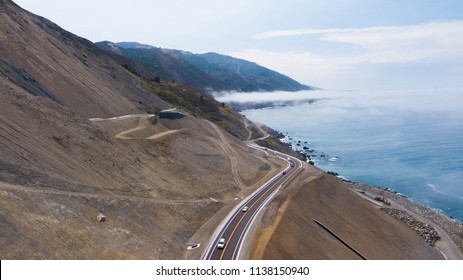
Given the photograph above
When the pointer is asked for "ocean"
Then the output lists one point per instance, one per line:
(410, 141)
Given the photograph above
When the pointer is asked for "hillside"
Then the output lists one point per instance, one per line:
(210, 71)
(242, 75)
(321, 202)
(90, 170)
(68, 156)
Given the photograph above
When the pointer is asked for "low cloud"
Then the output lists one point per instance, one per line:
(273, 96)
(443, 100)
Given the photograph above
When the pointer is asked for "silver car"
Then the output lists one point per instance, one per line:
(221, 243)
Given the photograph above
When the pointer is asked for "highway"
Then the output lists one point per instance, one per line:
(236, 225)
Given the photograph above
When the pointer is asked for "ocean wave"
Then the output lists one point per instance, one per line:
(434, 188)
(344, 178)
(402, 195)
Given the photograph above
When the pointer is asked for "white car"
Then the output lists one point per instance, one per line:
(245, 208)
(221, 243)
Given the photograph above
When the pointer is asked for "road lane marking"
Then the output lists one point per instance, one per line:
(282, 180)
(227, 222)
(239, 222)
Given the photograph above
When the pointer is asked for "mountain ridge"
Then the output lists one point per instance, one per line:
(210, 71)
(60, 168)
(82, 138)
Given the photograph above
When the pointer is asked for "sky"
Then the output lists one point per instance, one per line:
(331, 44)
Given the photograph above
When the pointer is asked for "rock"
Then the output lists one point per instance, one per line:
(427, 232)
(383, 200)
(101, 218)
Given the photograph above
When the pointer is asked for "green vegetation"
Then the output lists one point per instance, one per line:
(196, 103)
(241, 75)
(191, 74)
(210, 71)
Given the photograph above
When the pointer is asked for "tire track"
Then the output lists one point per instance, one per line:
(227, 148)
(108, 195)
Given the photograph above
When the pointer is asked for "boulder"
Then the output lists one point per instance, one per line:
(101, 218)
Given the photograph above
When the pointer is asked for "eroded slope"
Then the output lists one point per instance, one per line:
(325, 199)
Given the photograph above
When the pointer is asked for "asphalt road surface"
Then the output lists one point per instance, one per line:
(234, 229)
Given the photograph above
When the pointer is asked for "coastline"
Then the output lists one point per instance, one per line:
(357, 219)
(438, 230)
(450, 231)
(446, 227)
(419, 152)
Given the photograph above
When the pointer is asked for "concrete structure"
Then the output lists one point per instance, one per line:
(171, 114)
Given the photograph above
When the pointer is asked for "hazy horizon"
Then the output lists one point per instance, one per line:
(442, 99)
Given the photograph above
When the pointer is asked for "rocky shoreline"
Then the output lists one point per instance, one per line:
(426, 231)
(452, 227)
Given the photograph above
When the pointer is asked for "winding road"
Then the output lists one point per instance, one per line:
(235, 227)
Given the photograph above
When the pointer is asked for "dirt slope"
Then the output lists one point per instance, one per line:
(161, 185)
(59, 170)
(374, 234)
(70, 70)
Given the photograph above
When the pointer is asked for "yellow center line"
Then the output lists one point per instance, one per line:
(239, 222)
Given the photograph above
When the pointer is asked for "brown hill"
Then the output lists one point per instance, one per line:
(323, 202)
(51, 62)
(59, 170)
(79, 142)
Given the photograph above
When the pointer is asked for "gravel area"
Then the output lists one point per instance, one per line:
(452, 227)
(426, 231)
